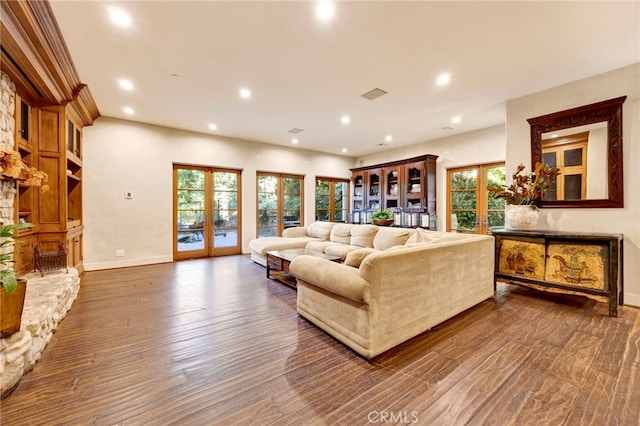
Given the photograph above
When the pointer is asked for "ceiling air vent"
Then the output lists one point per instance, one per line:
(295, 131)
(373, 94)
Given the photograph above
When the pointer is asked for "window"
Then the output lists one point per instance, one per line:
(332, 199)
(469, 206)
(280, 202)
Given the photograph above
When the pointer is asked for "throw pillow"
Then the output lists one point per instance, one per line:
(356, 257)
(420, 236)
(389, 237)
(362, 235)
(341, 233)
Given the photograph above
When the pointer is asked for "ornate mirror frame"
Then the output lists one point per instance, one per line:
(609, 111)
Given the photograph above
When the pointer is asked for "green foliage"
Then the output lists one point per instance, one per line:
(382, 214)
(7, 273)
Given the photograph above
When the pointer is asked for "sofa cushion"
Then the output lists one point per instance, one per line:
(320, 230)
(341, 233)
(320, 246)
(356, 257)
(341, 250)
(389, 237)
(363, 235)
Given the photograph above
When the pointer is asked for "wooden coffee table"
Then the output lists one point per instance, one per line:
(278, 263)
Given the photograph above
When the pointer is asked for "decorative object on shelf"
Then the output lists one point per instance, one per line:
(521, 211)
(12, 289)
(382, 217)
(12, 166)
(425, 220)
(397, 217)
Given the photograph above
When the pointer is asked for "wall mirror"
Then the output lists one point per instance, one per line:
(586, 144)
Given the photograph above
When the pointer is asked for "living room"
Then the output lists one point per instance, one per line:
(125, 156)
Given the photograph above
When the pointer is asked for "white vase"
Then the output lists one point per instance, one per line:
(523, 218)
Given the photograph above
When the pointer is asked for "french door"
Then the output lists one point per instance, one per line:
(280, 201)
(207, 212)
(469, 207)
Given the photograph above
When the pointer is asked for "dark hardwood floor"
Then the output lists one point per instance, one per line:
(213, 341)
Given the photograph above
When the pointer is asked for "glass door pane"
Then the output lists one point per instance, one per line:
(190, 211)
(494, 216)
(341, 204)
(225, 209)
(267, 206)
(464, 200)
(292, 199)
(323, 197)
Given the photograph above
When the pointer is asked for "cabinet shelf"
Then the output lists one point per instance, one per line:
(73, 158)
(73, 177)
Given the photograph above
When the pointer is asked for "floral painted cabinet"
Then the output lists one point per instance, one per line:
(582, 264)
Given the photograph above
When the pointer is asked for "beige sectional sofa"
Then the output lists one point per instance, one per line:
(378, 299)
(337, 239)
(394, 283)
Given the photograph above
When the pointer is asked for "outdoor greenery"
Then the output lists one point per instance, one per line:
(291, 202)
(324, 190)
(192, 197)
(464, 198)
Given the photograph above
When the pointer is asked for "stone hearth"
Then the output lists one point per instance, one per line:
(47, 301)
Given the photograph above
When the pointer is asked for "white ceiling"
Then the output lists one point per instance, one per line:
(307, 75)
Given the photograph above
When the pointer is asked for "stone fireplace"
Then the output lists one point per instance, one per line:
(48, 297)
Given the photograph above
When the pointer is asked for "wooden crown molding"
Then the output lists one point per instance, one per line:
(36, 58)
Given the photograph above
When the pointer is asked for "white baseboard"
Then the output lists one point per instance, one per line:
(632, 300)
(112, 264)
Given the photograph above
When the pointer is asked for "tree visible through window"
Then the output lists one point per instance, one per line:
(280, 200)
(332, 199)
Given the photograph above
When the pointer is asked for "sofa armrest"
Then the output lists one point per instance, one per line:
(333, 277)
(298, 231)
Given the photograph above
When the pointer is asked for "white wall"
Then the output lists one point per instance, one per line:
(122, 156)
(478, 147)
(621, 82)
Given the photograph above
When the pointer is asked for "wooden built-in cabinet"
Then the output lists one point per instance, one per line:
(562, 262)
(54, 147)
(52, 106)
(407, 186)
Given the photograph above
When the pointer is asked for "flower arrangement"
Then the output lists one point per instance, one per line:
(12, 166)
(527, 189)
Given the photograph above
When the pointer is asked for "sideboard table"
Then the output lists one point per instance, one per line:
(571, 263)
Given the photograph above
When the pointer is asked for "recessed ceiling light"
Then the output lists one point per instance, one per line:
(213, 126)
(345, 119)
(245, 93)
(125, 84)
(443, 79)
(128, 110)
(344, 149)
(325, 10)
(388, 138)
(294, 141)
(555, 135)
(456, 119)
(119, 17)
